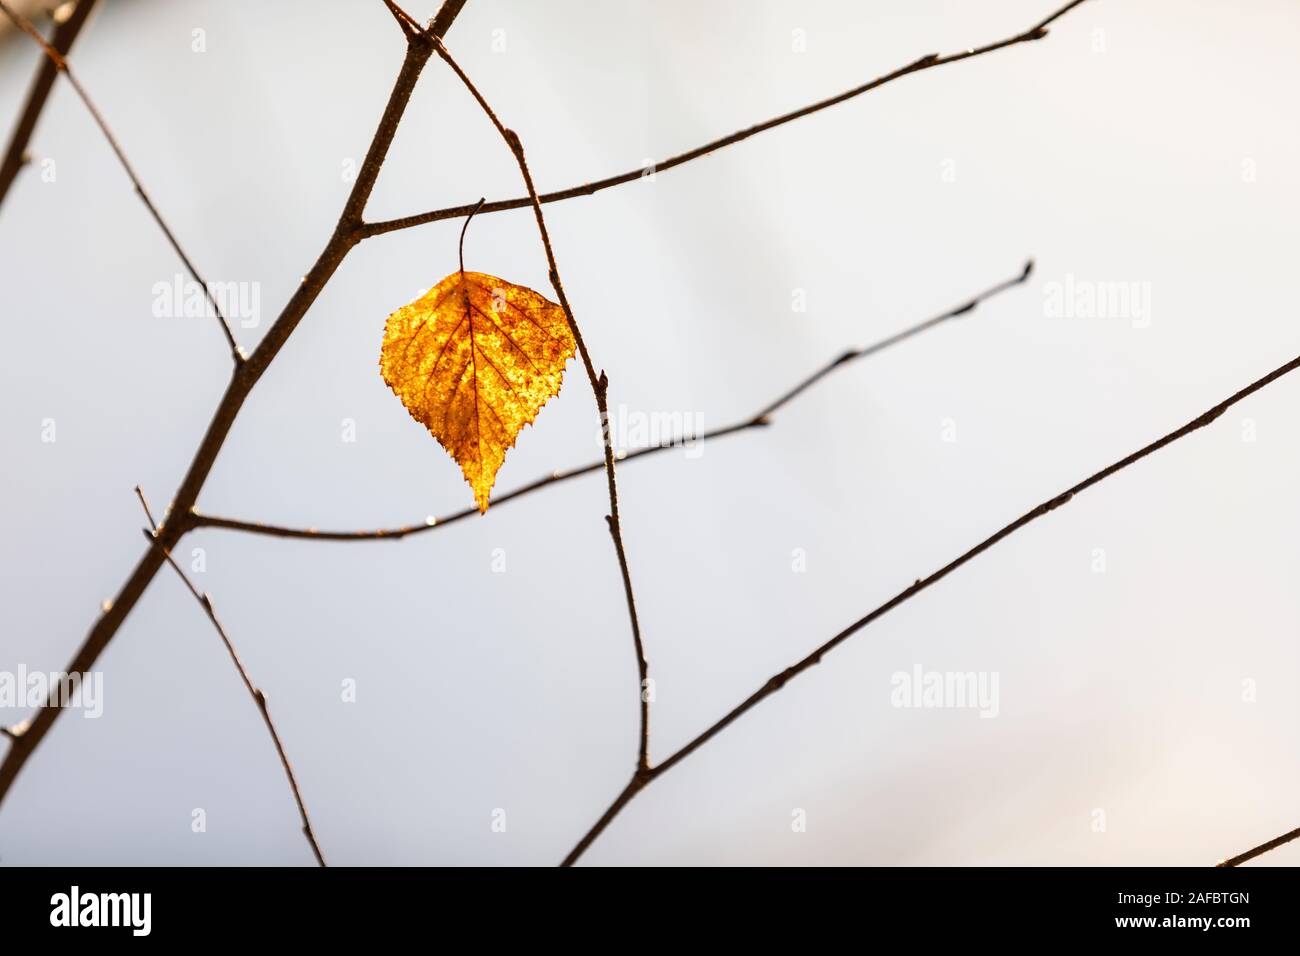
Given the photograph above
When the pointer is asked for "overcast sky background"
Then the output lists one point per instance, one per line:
(1149, 142)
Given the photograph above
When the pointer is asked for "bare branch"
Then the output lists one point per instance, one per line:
(446, 15)
(61, 64)
(930, 61)
(599, 389)
(850, 356)
(759, 419)
(65, 33)
(245, 377)
(778, 681)
(1260, 850)
(259, 698)
(351, 229)
(408, 24)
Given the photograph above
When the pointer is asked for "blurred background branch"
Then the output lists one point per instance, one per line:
(68, 19)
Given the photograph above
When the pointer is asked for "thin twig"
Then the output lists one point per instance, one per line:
(778, 681)
(259, 698)
(599, 388)
(404, 20)
(1260, 850)
(853, 355)
(350, 230)
(148, 512)
(1036, 32)
(65, 33)
(246, 375)
(204, 520)
(760, 419)
(61, 64)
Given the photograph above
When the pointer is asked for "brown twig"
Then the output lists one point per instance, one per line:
(778, 681)
(65, 33)
(599, 388)
(404, 20)
(1260, 850)
(760, 419)
(350, 229)
(246, 375)
(1036, 32)
(148, 512)
(259, 698)
(61, 64)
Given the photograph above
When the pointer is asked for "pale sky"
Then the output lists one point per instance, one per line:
(1144, 638)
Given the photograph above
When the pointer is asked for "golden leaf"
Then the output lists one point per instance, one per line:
(474, 360)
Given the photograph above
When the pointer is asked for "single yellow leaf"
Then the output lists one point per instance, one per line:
(474, 360)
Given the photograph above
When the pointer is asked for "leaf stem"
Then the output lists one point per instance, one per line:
(461, 246)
